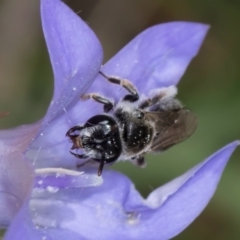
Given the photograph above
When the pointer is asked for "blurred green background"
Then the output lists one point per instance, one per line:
(210, 86)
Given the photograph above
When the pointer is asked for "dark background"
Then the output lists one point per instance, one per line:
(210, 86)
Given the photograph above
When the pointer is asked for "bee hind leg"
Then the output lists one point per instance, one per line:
(133, 96)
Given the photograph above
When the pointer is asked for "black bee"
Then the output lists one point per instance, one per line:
(134, 126)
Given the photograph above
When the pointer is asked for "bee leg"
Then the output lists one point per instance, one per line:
(133, 96)
(108, 105)
(73, 129)
(139, 161)
(81, 156)
(145, 104)
(70, 132)
(151, 101)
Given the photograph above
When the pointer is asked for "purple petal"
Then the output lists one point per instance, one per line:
(18, 139)
(190, 198)
(16, 178)
(157, 57)
(76, 56)
(75, 53)
(26, 228)
(115, 210)
(51, 148)
(50, 181)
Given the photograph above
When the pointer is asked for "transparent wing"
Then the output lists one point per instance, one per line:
(172, 127)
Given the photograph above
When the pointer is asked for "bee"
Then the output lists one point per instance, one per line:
(132, 127)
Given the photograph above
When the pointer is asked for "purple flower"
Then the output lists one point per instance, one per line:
(41, 199)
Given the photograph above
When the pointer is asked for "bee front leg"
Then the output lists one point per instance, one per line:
(71, 131)
(133, 96)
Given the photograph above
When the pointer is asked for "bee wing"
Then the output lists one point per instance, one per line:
(173, 127)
